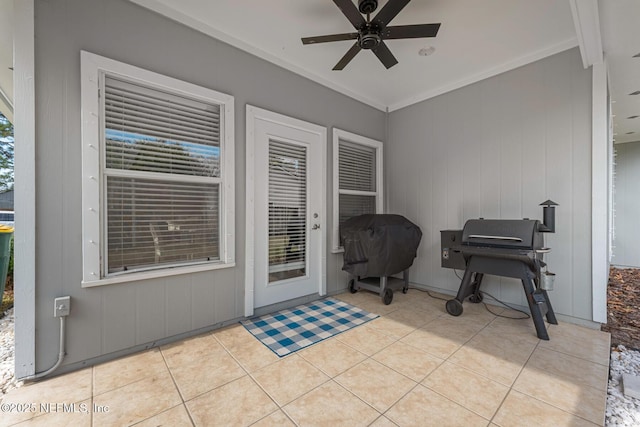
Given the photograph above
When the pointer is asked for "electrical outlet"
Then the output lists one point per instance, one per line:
(61, 306)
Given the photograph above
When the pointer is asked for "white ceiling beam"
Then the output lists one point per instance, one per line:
(587, 22)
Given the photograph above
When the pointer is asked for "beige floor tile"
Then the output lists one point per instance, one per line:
(365, 340)
(332, 357)
(289, 378)
(127, 370)
(497, 367)
(174, 417)
(64, 389)
(497, 352)
(383, 421)
(137, 401)
(394, 328)
(422, 301)
(376, 384)
(413, 317)
(566, 394)
(475, 392)
(238, 403)
(276, 419)
(443, 336)
(409, 361)
(425, 408)
(200, 364)
(245, 348)
(579, 341)
(578, 371)
(519, 410)
(78, 414)
(330, 405)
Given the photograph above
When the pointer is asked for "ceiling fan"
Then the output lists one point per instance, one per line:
(370, 33)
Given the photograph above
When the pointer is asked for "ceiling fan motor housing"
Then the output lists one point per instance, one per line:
(367, 6)
(369, 39)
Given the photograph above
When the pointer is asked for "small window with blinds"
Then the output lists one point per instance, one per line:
(357, 178)
(163, 172)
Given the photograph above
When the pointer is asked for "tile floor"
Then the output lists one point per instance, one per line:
(413, 366)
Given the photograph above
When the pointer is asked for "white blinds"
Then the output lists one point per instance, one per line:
(357, 180)
(162, 158)
(357, 167)
(149, 130)
(287, 210)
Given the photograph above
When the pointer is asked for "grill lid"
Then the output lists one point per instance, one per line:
(503, 233)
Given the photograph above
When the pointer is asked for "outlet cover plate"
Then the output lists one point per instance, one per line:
(62, 306)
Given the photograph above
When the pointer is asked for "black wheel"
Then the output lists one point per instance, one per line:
(387, 297)
(454, 307)
(352, 286)
(405, 290)
(476, 299)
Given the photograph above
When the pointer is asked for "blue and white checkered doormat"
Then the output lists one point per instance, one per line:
(291, 330)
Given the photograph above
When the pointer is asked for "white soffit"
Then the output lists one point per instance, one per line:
(477, 39)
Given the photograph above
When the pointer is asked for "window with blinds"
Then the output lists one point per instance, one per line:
(287, 210)
(162, 177)
(357, 178)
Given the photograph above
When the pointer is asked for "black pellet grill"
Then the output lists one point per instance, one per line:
(376, 247)
(508, 248)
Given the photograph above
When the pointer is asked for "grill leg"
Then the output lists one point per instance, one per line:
(454, 306)
(534, 307)
(551, 316)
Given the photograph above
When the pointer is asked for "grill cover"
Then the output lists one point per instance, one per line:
(503, 233)
(379, 245)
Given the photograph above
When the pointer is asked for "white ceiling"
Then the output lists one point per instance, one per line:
(477, 39)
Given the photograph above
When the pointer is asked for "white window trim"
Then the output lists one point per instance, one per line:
(92, 67)
(339, 134)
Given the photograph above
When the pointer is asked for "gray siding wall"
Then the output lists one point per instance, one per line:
(496, 149)
(115, 318)
(626, 249)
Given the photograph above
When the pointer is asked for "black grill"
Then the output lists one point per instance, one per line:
(508, 248)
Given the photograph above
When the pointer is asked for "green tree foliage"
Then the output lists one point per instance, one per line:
(6, 154)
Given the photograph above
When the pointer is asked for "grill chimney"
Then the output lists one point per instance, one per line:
(548, 217)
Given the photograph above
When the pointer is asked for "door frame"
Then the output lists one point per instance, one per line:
(252, 115)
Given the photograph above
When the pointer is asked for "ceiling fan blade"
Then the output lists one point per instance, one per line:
(389, 11)
(330, 38)
(351, 53)
(410, 31)
(351, 12)
(384, 55)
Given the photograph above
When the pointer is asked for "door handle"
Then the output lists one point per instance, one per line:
(315, 227)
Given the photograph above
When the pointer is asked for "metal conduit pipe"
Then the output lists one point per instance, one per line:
(61, 355)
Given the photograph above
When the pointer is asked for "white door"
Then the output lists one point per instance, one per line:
(287, 159)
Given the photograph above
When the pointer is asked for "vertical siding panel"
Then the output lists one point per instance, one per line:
(202, 301)
(470, 165)
(118, 318)
(490, 161)
(533, 174)
(224, 302)
(511, 165)
(178, 296)
(150, 311)
(559, 172)
(440, 178)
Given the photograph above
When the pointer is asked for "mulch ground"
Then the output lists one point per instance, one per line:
(623, 307)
